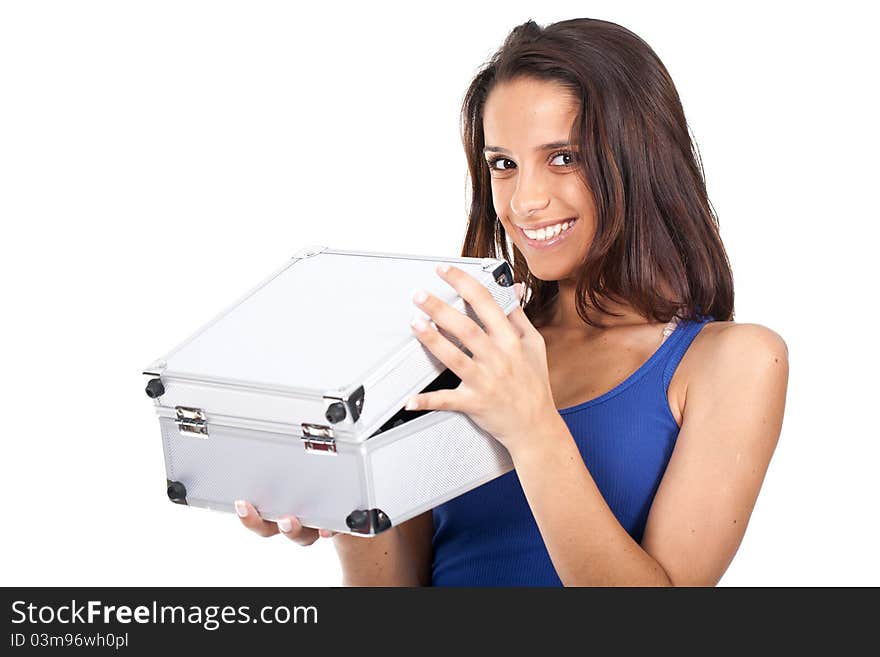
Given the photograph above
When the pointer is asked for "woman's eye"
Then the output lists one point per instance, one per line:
(564, 154)
(493, 164)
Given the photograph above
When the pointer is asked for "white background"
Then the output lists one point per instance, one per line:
(158, 159)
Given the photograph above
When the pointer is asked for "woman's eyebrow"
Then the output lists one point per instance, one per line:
(542, 147)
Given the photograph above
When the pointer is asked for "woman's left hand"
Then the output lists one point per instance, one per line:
(505, 385)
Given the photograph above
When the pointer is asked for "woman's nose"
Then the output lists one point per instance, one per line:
(529, 196)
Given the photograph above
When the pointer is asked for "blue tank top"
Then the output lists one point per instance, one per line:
(489, 537)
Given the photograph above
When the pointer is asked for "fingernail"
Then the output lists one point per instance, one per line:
(285, 525)
(420, 296)
(241, 508)
(519, 287)
(412, 404)
(442, 268)
(325, 533)
(419, 324)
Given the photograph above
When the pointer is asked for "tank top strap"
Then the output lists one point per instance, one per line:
(669, 328)
(685, 332)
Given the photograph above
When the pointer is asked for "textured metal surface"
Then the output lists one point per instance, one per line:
(430, 460)
(305, 328)
(272, 471)
(388, 394)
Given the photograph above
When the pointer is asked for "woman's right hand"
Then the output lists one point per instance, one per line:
(288, 526)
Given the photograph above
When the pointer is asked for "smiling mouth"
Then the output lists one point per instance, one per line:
(549, 235)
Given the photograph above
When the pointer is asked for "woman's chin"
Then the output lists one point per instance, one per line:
(549, 271)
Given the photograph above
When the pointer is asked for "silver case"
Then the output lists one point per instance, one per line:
(242, 392)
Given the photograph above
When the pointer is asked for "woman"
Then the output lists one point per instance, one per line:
(639, 417)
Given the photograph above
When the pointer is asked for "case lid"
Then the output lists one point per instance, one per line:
(320, 323)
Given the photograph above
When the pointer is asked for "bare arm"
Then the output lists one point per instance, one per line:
(399, 556)
(731, 423)
(732, 420)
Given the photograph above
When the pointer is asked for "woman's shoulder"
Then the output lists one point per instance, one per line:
(722, 349)
(722, 337)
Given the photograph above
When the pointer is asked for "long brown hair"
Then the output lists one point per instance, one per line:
(656, 245)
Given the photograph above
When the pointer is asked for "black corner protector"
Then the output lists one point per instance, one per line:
(356, 403)
(335, 412)
(503, 275)
(155, 388)
(176, 492)
(370, 522)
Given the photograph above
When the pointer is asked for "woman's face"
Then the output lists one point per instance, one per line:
(526, 124)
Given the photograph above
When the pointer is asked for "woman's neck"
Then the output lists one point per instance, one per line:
(565, 316)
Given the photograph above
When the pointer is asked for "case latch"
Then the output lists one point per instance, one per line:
(318, 439)
(191, 421)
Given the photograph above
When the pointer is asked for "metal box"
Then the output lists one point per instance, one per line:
(292, 398)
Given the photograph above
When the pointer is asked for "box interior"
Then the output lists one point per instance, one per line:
(446, 381)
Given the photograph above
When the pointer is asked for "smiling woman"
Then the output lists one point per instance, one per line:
(640, 419)
(637, 459)
(593, 104)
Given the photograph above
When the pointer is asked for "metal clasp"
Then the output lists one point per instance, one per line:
(318, 439)
(191, 421)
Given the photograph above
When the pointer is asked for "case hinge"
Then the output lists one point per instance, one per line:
(309, 251)
(191, 421)
(318, 439)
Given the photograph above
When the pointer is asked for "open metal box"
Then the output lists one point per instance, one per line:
(292, 398)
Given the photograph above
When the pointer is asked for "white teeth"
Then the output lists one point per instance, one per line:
(548, 231)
